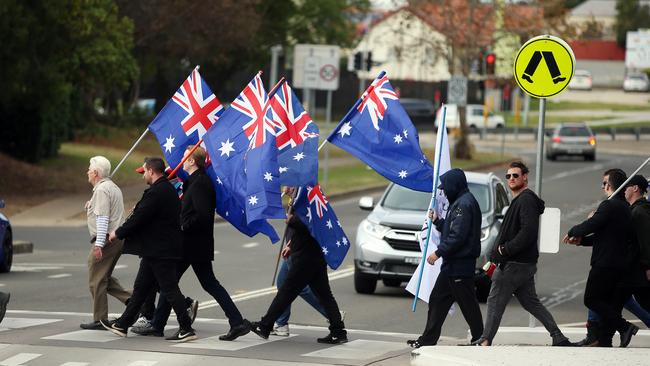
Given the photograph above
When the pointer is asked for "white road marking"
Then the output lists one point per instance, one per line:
(97, 336)
(75, 364)
(61, 275)
(250, 245)
(20, 323)
(19, 359)
(342, 273)
(564, 294)
(143, 363)
(359, 349)
(213, 343)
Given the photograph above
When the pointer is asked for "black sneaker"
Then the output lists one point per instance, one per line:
(113, 327)
(334, 339)
(237, 331)
(183, 336)
(4, 300)
(193, 309)
(257, 328)
(147, 331)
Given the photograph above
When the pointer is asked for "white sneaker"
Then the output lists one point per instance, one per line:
(142, 322)
(282, 331)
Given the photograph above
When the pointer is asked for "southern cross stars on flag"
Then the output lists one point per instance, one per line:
(315, 212)
(378, 131)
(296, 138)
(244, 154)
(186, 117)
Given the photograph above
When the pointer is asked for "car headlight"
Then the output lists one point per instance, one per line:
(485, 233)
(374, 229)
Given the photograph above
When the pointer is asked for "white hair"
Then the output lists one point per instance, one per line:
(101, 165)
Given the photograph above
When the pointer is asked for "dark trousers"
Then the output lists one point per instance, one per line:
(518, 279)
(210, 284)
(446, 291)
(162, 272)
(604, 295)
(301, 274)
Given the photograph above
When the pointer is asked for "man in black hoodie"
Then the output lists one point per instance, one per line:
(610, 232)
(516, 252)
(459, 247)
(639, 271)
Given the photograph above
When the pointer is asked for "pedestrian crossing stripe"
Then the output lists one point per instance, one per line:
(19, 323)
(213, 343)
(358, 349)
(97, 336)
(544, 66)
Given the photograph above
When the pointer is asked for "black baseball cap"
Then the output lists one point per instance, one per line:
(639, 181)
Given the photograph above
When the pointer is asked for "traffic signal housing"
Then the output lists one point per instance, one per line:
(490, 63)
(358, 60)
(368, 60)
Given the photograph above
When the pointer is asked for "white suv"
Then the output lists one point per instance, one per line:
(386, 246)
(475, 119)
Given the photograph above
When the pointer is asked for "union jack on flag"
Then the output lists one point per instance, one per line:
(296, 138)
(374, 99)
(252, 102)
(201, 112)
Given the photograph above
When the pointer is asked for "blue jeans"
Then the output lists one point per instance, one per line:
(306, 294)
(633, 307)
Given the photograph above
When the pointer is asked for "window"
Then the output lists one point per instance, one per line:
(501, 198)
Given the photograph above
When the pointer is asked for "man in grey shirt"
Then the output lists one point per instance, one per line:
(105, 212)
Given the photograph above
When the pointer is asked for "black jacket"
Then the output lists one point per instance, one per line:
(197, 218)
(611, 226)
(641, 222)
(304, 248)
(520, 230)
(460, 239)
(153, 229)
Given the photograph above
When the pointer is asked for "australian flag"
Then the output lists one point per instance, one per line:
(185, 119)
(244, 158)
(314, 210)
(378, 131)
(296, 138)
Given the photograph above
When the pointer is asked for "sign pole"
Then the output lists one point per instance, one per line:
(538, 169)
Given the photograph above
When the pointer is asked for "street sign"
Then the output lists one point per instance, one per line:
(316, 66)
(637, 50)
(457, 90)
(549, 78)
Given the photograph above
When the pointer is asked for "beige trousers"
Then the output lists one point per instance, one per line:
(101, 281)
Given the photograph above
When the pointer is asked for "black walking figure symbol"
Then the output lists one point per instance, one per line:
(550, 63)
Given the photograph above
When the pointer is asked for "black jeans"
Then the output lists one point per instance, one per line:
(210, 284)
(154, 271)
(444, 293)
(304, 273)
(604, 295)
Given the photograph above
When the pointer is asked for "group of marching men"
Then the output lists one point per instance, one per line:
(172, 235)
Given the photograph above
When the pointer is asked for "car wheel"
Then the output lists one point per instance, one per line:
(391, 282)
(591, 157)
(364, 284)
(551, 157)
(499, 125)
(483, 284)
(8, 248)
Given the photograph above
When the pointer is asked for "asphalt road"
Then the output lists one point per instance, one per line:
(54, 277)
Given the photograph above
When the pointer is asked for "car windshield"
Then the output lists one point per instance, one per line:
(400, 198)
(576, 131)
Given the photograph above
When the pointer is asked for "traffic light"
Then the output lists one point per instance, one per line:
(490, 61)
(369, 61)
(358, 60)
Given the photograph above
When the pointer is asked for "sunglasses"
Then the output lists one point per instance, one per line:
(513, 175)
(605, 183)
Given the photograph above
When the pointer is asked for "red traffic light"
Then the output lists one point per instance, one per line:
(490, 58)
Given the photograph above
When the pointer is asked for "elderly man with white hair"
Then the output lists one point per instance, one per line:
(105, 212)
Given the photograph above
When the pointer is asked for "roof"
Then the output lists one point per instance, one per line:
(597, 50)
(599, 8)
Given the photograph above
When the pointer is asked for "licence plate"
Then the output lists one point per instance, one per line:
(412, 260)
(574, 151)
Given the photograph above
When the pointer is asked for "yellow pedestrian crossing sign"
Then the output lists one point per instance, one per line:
(544, 66)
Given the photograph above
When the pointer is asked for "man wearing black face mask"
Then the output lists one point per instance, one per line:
(459, 247)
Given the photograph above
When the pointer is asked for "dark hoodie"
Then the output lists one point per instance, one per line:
(460, 239)
(641, 222)
(519, 232)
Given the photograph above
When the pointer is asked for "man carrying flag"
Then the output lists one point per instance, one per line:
(378, 131)
(317, 241)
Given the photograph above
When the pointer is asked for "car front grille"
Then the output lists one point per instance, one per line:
(403, 240)
(400, 268)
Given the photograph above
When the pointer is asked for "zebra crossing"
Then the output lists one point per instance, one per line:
(43, 340)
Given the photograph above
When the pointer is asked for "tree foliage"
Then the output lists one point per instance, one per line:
(57, 56)
(630, 16)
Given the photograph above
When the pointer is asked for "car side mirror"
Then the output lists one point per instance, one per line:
(366, 203)
(502, 214)
(2, 203)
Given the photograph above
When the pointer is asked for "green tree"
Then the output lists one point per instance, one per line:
(630, 16)
(57, 56)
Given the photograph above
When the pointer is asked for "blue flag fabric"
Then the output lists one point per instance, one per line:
(244, 159)
(186, 117)
(296, 138)
(314, 210)
(378, 131)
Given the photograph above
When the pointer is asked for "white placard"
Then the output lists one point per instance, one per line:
(457, 90)
(549, 230)
(637, 50)
(316, 66)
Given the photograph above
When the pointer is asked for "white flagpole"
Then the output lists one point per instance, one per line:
(432, 204)
(137, 142)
